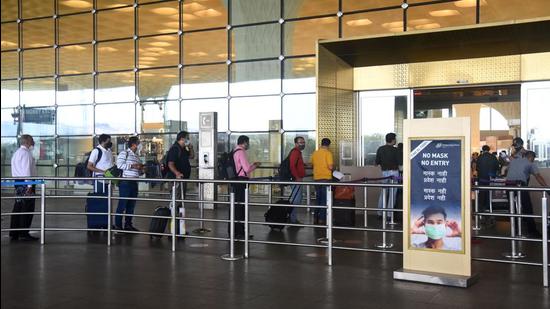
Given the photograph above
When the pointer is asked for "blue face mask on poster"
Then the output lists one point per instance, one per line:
(435, 231)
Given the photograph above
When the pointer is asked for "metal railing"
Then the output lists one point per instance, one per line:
(329, 245)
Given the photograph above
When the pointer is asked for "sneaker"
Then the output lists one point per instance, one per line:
(130, 228)
(28, 237)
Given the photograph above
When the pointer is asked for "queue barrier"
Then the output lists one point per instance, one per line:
(329, 246)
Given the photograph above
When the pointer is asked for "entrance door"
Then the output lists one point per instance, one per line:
(535, 108)
(380, 112)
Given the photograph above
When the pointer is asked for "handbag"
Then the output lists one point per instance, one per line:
(344, 193)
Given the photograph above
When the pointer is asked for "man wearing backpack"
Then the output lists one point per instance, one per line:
(100, 160)
(243, 170)
(298, 172)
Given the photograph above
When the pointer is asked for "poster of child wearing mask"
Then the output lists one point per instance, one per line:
(436, 187)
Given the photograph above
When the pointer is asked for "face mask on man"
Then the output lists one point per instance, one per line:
(302, 146)
(139, 148)
(108, 145)
(435, 231)
(246, 146)
(31, 147)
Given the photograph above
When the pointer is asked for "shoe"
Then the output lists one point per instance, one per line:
(28, 238)
(240, 236)
(130, 228)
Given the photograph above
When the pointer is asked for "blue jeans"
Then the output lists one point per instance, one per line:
(295, 199)
(127, 189)
(389, 193)
(321, 195)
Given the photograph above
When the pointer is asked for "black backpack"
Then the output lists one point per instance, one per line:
(81, 168)
(226, 165)
(284, 171)
(164, 169)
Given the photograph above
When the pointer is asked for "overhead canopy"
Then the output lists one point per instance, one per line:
(477, 41)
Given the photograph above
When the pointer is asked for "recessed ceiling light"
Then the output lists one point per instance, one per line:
(469, 3)
(172, 24)
(208, 13)
(169, 75)
(79, 4)
(155, 49)
(148, 58)
(38, 45)
(443, 13)
(186, 16)
(149, 54)
(166, 38)
(396, 29)
(75, 47)
(393, 24)
(198, 54)
(71, 72)
(428, 26)
(160, 44)
(298, 69)
(167, 30)
(421, 21)
(107, 49)
(165, 11)
(8, 44)
(325, 20)
(169, 52)
(222, 55)
(193, 6)
(359, 22)
(146, 74)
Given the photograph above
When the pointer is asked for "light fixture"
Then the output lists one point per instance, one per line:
(428, 26)
(148, 58)
(198, 54)
(420, 21)
(188, 17)
(78, 4)
(193, 6)
(155, 49)
(165, 11)
(208, 13)
(169, 75)
(74, 47)
(107, 49)
(7, 44)
(38, 45)
(166, 38)
(167, 30)
(222, 55)
(160, 44)
(444, 13)
(169, 52)
(469, 3)
(149, 54)
(359, 22)
(393, 24)
(71, 72)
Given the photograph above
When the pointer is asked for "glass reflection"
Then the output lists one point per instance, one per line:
(115, 118)
(299, 75)
(379, 22)
(37, 121)
(10, 117)
(75, 90)
(158, 117)
(10, 36)
(299, 112)
(288, 144)
(115, 87)
(115, 24)
(442, 15)
(38, 33)
(202, 14)
(354, 5)
(75, 29)
(38, 92)
(302, 8)
(36, 8)
(255, 42)
(76, 59)
(158, 84)
(75, 120)
(9, 147)
(117, 55)
(254, 113)
(38, 62)
(493, 11)
(159, 51)
(253, 78)
(10, 65)
(70, 149)
(159, 18)
(204, 47)
(208, 81)
(10, 93)
(253, 11)
(8, 10)
(301, 36)
(190, 110)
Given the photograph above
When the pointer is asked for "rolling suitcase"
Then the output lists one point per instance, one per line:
(344, 196)
(96, 205)
(158, 225)
(278, 214)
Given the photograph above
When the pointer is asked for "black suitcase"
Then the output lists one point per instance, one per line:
(278, 214)
(96, 205)
(158, 225)
(344, 217)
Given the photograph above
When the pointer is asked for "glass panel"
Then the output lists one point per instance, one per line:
(202, 14)
(117, 55)
(158, 84)
(159, 51)
(9, 147)
(9, 122)
(105, 4)
(190, 110)
(37, 8)
(537, 125)
(289, 144)
(44, 153)
(115, 118)
(254, 113)
(75, 90)
(10, 65)
(381, 113)
(253, 11)
(115, 87)
(8, 9)
(38, 121)
(373, 23)
(10, 36)
(75, 120)
(114, 24)
(76, 59)
(204, 81)
(71, 150)
(38, 33)
(259, 77)
(264, 148)
(159, 18)
(159, 117)
(75, 29)
(494, 10)
(301, 36)
(299, 75)
(354, 5)
(38, 92)
(39, 62)
(301, 8)
(254, 42)
(439, 16)
(66, 7)
(299, 112)
(10, 93)
(203, 47)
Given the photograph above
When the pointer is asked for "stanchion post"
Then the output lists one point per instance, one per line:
(270, 194)
(201, 229)
(514, 254)
(518, 210)
(329, 224)
(109, 209)
(365, 201)
(174, 211)
(392, 202)
(476, 209)
(384, 244)
(544, 239)
(42, 212)
(491, 201)
(308, 198)
(231, 256)
(246, 232)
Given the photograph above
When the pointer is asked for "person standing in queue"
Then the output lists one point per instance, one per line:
(323, 165)
(243, 169)
(131, 166)
(388, 158)
(177, 160)
(23, 165)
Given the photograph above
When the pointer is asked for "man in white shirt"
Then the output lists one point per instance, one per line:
(100, 160)
(23, 165)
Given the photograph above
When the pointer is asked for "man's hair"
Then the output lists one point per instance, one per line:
(134, 140)
(390, 137)
(243, 139)
(531, 154)
(325, 142)
(182, 134)
(103, 138)
(485, 148)
(297, 138)
(432, 210)
(24, 139)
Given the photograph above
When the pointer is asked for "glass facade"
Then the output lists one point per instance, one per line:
(75, 69)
